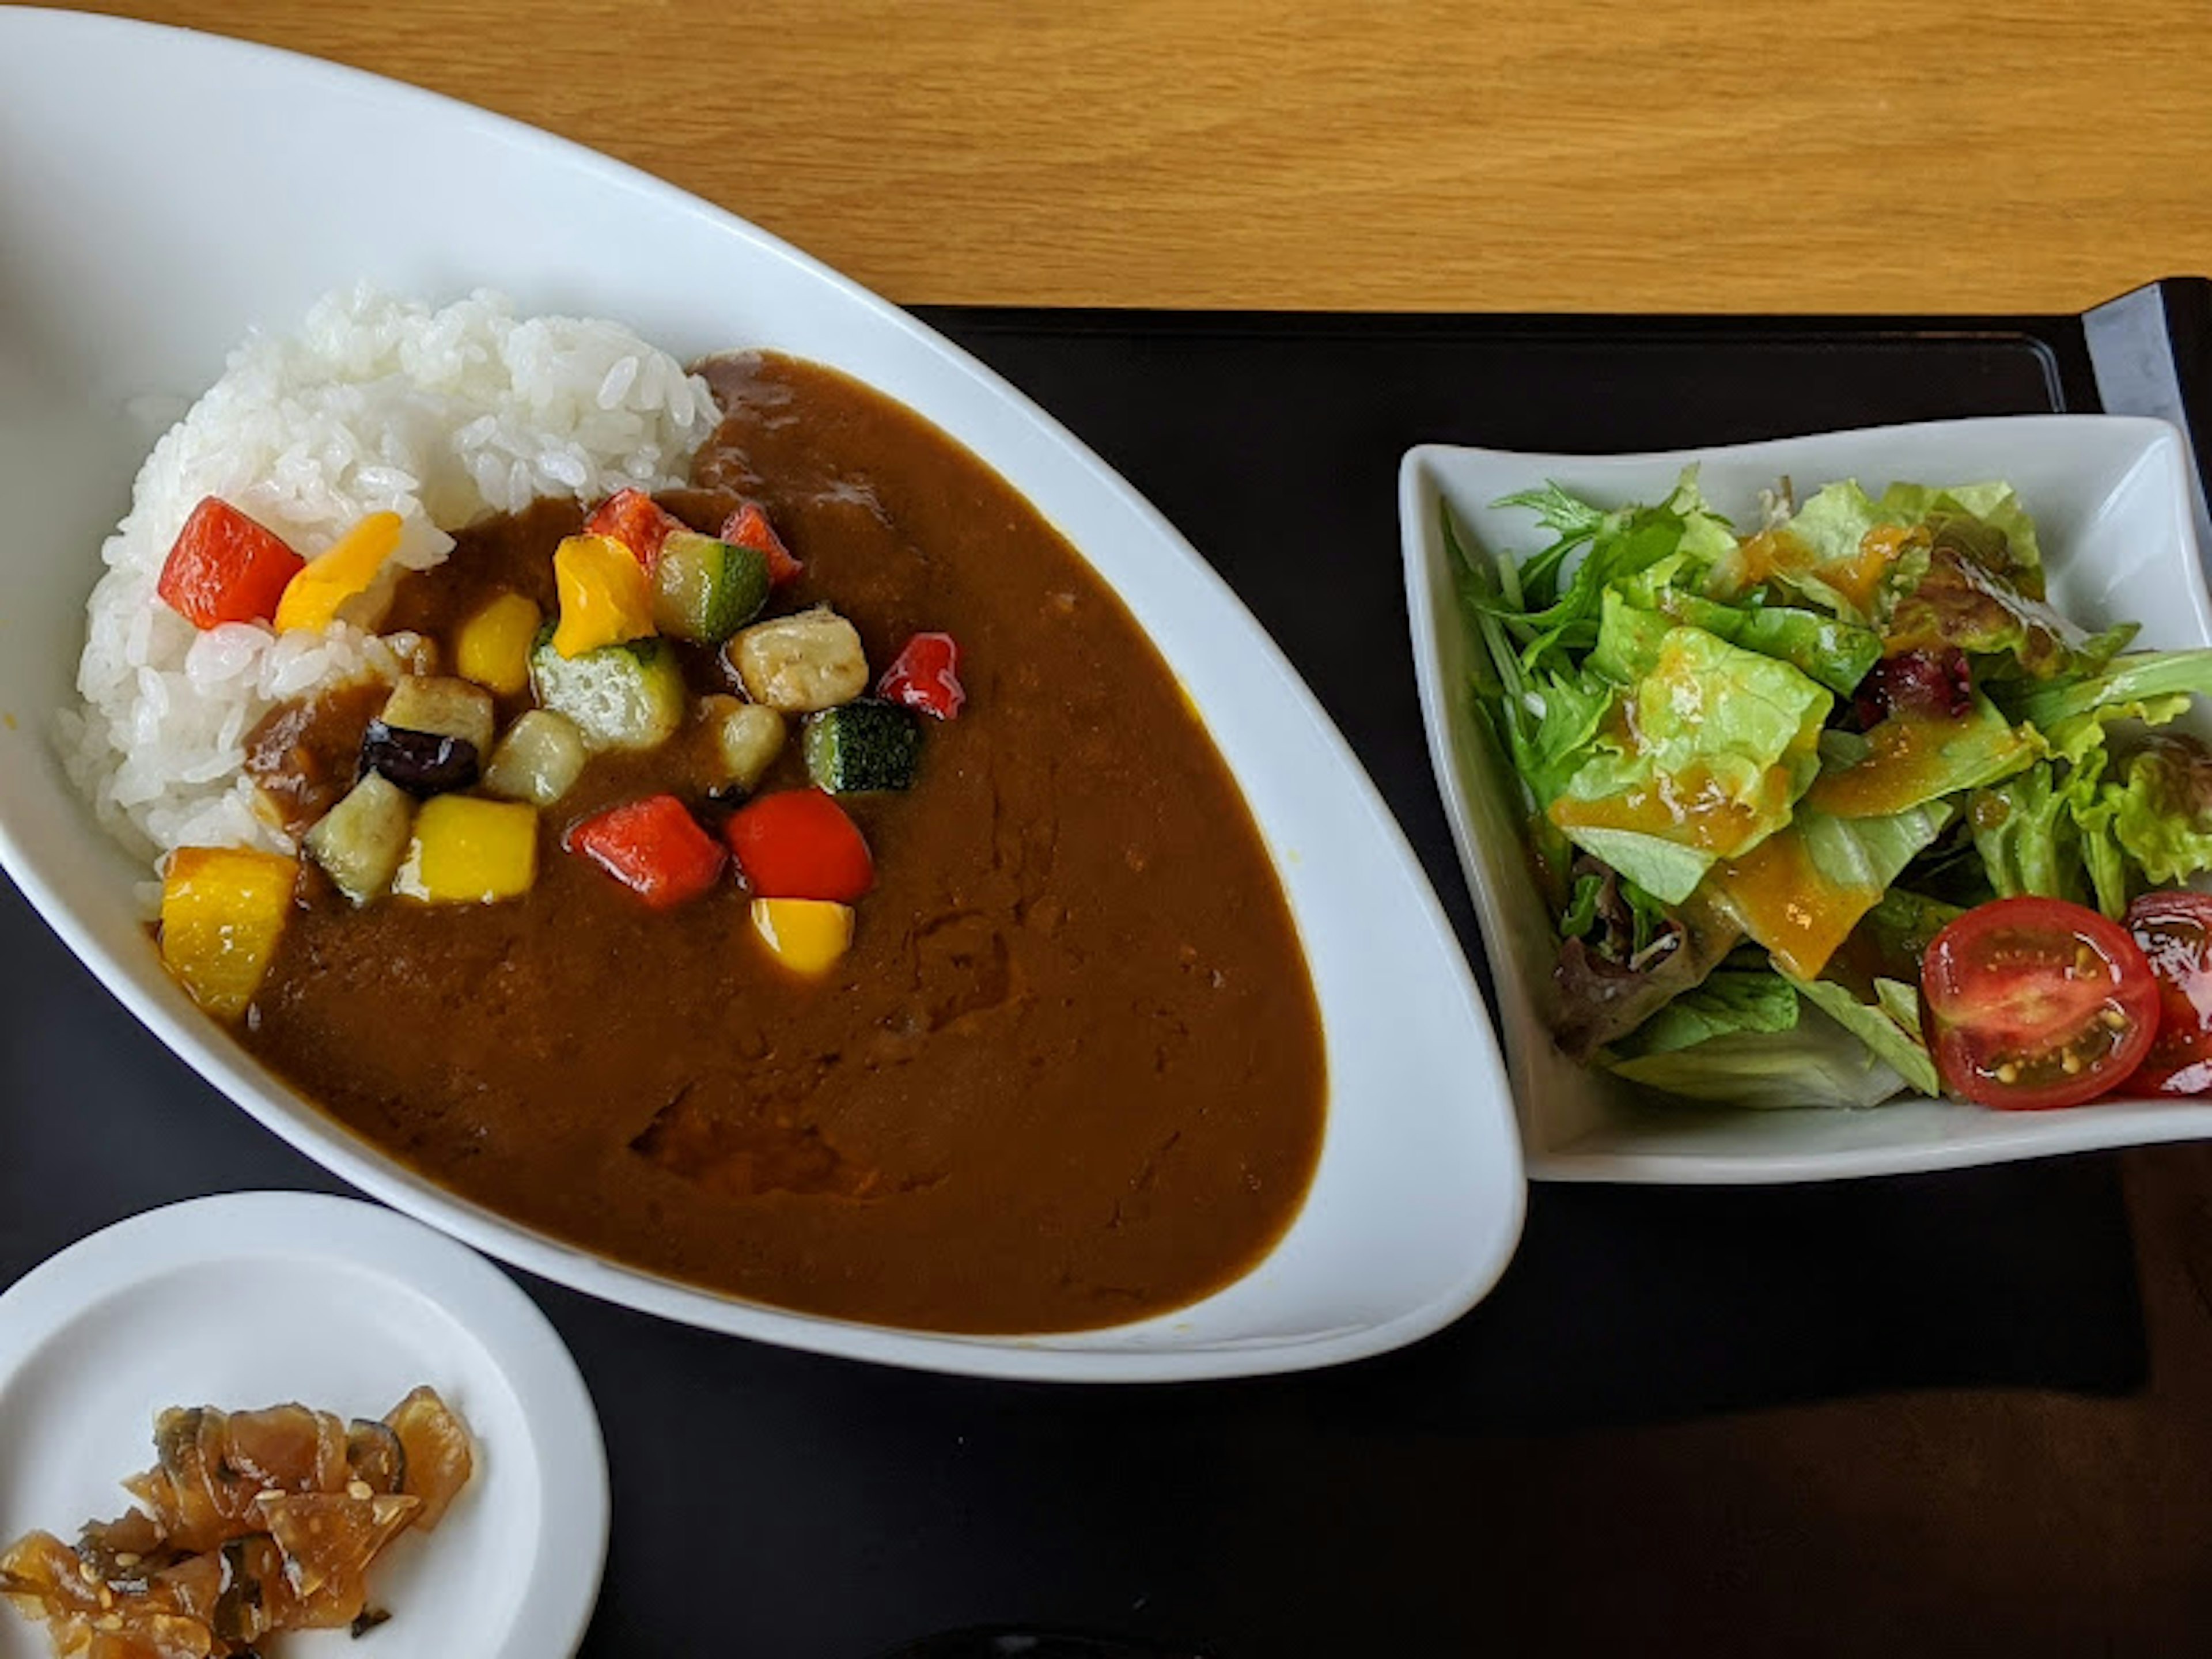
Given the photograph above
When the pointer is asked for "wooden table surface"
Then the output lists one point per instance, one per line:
(1585, 155)
(1589, 154)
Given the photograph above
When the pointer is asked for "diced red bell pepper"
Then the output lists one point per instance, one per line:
(799, 844)
(224, 568)
(925, 676)
(654, 847)
(637, 521)
(749, 527)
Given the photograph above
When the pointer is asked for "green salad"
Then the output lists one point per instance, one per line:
(1839, 807)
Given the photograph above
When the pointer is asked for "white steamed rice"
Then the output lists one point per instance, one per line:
(376, 404)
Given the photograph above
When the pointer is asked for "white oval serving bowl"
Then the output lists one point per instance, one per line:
(186, 188)
(2110, 496)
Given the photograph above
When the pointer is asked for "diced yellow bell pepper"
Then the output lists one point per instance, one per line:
(493, 648)
(469, 851)
(224, 908)
(806, 935)
(605, 595)
(344, 568)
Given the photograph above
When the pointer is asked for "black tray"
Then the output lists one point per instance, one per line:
(778, 1504)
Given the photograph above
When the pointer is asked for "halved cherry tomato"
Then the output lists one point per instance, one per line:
(2034, 1002)
(637, 521)
(925, 676)
(224, 568)
(800, 845)
(749, 527)
(2174, 931)
(654, 847)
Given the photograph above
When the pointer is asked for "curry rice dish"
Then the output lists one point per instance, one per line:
(975, 1006)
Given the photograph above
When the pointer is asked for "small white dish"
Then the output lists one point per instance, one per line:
(2110, 500)
(255, 1299)
(140, 250)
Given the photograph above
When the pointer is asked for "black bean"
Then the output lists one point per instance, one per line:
(424, 763)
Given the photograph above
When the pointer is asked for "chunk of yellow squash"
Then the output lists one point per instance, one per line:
(493, 648)
(223, 910)
(805, 935)
(605, 595)
(346, 567)
(469, 851)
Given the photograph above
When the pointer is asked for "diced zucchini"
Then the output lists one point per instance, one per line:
(620, 697)
(223, 910)
(469, 851)
(443, 706)
(860, 746)
(704, 589)
(538, 760)
(493, 646)
(800, 663)
(740, 741)
(360, 842)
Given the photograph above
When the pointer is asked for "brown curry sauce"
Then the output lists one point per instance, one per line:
(1071, 1072)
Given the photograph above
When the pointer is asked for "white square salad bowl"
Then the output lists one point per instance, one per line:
(177, 189)
(2109, 497)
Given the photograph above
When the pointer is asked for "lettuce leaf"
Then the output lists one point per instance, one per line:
(2161, 811)
(1801, 892)
(2154, 686)
(1815, 1062)
(2025, 830)
(1721, 742)
(1729, 1001)
(1835, 653)
(1635, 959)
(2007, 543)
(1889, 1026)
(1550, 624)
(1889, 942)
(1914, 757)
(1827, 555)
(1961, 603)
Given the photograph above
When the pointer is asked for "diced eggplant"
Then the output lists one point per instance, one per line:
(740, 741)
(443, 706)
(704, 590)
(620, 697)
(360, 842)
(861, 747)
(801, 662)
(424, 763)
(375, 1456)
(538, 760)
(432, 735)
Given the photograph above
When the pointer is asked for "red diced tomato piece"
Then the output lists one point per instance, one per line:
(225, 567)
(925, 676)
(637, 521)
(800, 845)
(749, 527)
(654, 847)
